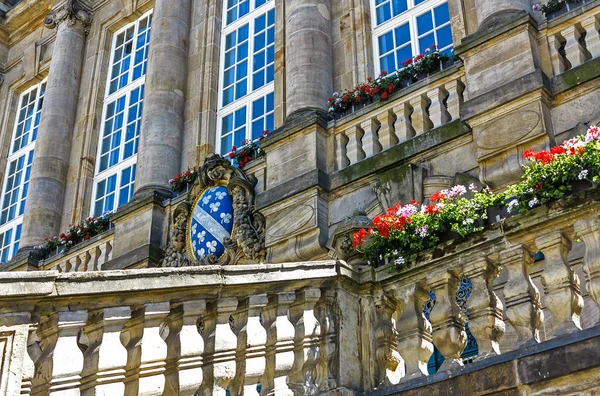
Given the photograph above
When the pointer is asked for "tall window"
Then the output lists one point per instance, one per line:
(246, 102)
(122, 117)
(406, 28)
(18, 170)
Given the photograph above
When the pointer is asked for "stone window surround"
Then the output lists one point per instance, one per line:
(107, 98)
(408, 16)
(25, 151)
(248, 99)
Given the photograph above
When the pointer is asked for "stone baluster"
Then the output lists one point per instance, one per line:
(254, 337)
(354, 149)
(403, 126)
(438, 113)
(370, 139)
(447, 320)
(589, 231)
(559, 64)
(455, 98)
(341, 159)
(523, 306)
(414, 331)
(60, 364)
(592, 38)
(104, 254)
(154, 350)
(387, 137)
(225, 345)
(309, 65)
(390, 367)
(420, 119)
(573, 49)
(561, 285)
(184, 349)
(105, 357)
(306, 342)
(280, 344)
(326, 370)
(159, 156)
(94, 254)
(485, 308)
(46, 192)
(84, 261)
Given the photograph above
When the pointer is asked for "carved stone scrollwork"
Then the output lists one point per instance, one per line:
(247, 239)
(71, 12)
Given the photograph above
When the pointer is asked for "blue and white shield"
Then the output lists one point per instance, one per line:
(212, 222)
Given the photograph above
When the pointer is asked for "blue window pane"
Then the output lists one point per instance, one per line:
(242, 33)
(444, 36)
(257, 129)
(227, 96)
(111, 184)
(241, 70)
(271, 36)
(240, 136)
(418, 2)
(258, 108)
(270, 102)
(244, 8)
(258, 79)
(402, 34)
(226, 143)
(231, 15)
(125, 177)
(240, 117)
(228, 77)
(383, 13)
(259, 41)
(229, 58)
(386, 43)
(426, 42)
(259, 60)
(270, 73)
(271, 17)
(260, 23)
(424, 23)
(399, 6)
(227, 124)
(403, 55)
(442, 15)
(270, 122)
(258, 3)
(387, 63)
(242, 52)
(241, 89)
(270, 54)
(230, 40)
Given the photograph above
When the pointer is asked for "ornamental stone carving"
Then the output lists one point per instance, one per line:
(71, 12)
(217, 223)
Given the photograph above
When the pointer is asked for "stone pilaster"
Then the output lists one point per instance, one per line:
(53, 146)
(309, 65)
(161, 137)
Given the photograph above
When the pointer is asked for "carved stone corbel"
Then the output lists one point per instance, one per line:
(71, 12)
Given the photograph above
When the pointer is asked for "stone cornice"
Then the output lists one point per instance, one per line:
(70, 12)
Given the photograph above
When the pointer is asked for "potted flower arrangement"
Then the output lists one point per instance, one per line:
(183, 180)
(249, 151)
(404, 231)
(554, 8)
(385, 84)
(74, 235)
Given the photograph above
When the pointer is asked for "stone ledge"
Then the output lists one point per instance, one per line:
(541, 362)
(148, 252)
(585, 72)
(290, 188)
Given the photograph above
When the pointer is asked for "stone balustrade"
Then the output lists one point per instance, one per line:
(575, 41)
(422, 107)
(87, 256)
(304, 328)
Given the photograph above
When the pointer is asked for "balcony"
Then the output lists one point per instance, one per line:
(310, 328)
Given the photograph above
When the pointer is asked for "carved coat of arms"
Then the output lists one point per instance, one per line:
(217, 223)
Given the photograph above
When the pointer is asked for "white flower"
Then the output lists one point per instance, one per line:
(468, 221)
(472, 187)
(206, 199)
(533, 202)
(457, 191)
(583, 174)
(399, 261)
(214, 207)
(225, 218)
(395, 252)
(331, 109)
(201, 253)
(512, 205)
(201, 236)
(211, 246)
(221, 195)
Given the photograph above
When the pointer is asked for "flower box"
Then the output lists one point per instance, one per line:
(556, 8)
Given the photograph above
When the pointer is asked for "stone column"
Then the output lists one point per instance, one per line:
(161, 136)
(489, 11)
(53, 146)
(309, 65)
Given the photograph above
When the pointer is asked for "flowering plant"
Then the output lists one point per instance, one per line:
(404, 231)
(76, 233)
(386, 84)
(552, 6)
(550, 174)
(249, 151)
(183, 179)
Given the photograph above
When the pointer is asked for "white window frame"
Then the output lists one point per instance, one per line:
(409, 16)
(12, 225)
(126, 91)
(250, 96)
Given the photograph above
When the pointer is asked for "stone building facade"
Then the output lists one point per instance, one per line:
(104, 101)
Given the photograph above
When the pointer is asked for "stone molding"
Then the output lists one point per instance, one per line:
(71, 12)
